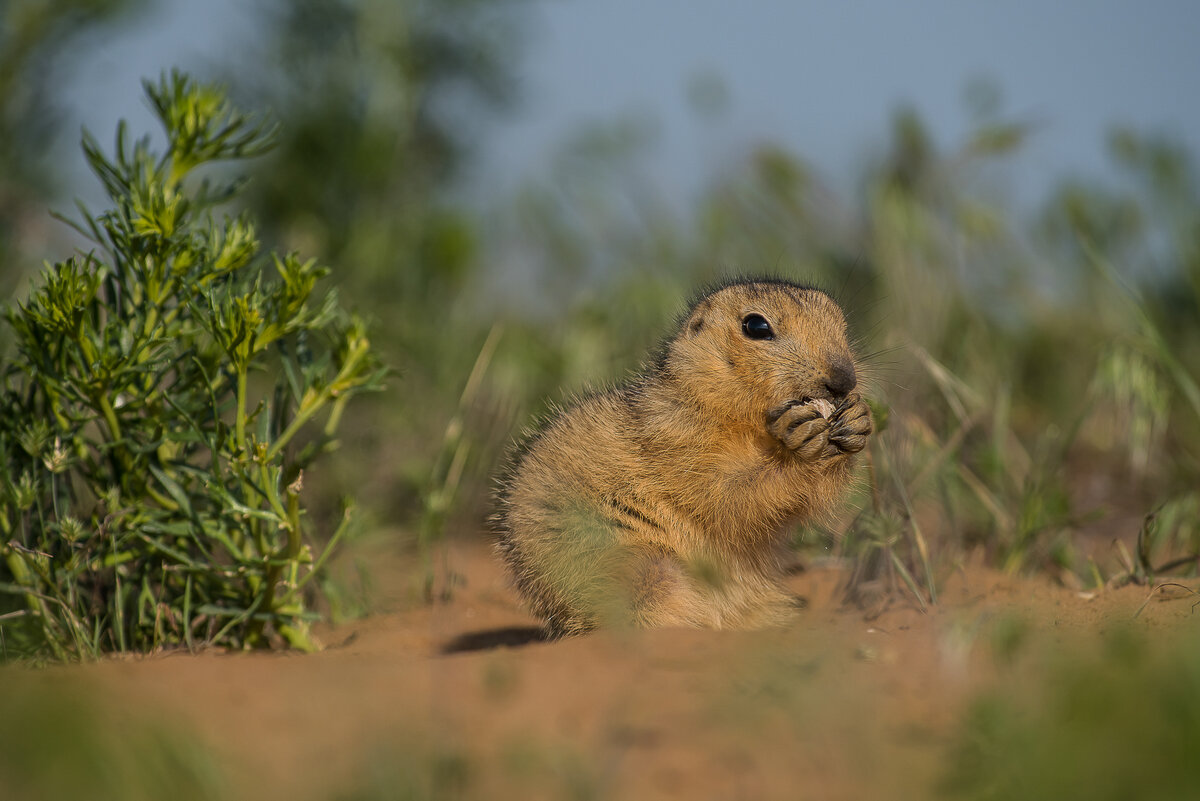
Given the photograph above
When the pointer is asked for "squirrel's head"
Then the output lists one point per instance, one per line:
(751, 345)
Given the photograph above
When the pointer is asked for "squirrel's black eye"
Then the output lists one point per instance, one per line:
(756, 326)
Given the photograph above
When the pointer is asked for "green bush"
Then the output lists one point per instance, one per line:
(165, 396)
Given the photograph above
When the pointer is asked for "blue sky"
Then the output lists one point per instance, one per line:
(823, 78)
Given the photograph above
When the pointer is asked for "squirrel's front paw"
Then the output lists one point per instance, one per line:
(850, 425)
(801, 428)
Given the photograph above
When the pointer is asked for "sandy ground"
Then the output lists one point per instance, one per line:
(463, 699)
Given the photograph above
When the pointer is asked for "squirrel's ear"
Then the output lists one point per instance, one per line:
(697, 319)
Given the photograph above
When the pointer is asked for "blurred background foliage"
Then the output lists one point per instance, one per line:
(37, 39)
(1037, 368)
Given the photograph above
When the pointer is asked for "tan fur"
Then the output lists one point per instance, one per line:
(665, 501)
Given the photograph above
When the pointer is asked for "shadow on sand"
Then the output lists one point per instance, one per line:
(510, 637)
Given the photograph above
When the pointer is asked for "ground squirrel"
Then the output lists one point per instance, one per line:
(665, 501)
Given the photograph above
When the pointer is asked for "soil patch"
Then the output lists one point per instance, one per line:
(465, 699)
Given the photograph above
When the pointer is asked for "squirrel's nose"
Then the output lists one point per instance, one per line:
(841, 378)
